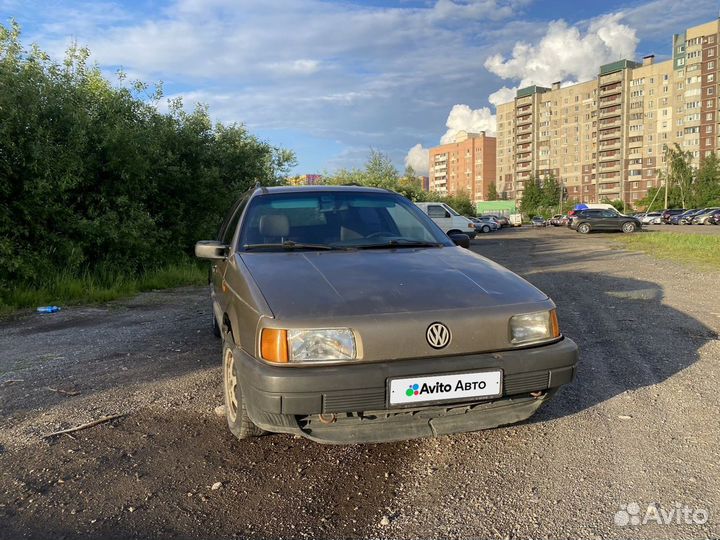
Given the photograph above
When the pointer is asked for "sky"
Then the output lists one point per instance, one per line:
(333, 79)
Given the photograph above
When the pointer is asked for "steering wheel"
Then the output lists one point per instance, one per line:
(380, 233)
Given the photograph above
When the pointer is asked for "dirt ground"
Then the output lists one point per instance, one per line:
(639, 426)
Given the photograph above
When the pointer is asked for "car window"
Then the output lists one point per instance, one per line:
(336, 219)
(437, 211)
(227, 229)
(609, 214)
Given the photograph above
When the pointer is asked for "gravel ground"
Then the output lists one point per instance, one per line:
(639, 425)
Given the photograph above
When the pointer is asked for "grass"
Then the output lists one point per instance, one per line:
(699, 250)
(63, 289)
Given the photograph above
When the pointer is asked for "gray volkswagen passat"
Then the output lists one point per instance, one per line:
(347, 315)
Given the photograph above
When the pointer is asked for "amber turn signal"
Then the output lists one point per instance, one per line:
(554, 323)
(273, 345)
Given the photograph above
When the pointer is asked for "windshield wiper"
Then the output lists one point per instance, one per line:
(400, 243)
(289, 245)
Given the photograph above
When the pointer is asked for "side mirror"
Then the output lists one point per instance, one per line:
(211, 249)
(462, 240)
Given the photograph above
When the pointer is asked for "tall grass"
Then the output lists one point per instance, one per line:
(699, 250)
(63, 289)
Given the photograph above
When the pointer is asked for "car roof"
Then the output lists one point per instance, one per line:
(315, 189)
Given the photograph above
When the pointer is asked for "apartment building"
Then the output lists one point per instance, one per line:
(605, 139)
(466, 165)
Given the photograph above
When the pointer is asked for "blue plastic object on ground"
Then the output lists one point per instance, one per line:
(48, 309)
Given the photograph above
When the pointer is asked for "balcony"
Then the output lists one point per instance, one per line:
(610, 134)
(609, 112)
(609, 101)
(524, 137)
(635, 144)
(609, 90)
(527, 109)
(523, 121)
(611, 78)
(524, 129)
(611, 167)
(610, 190)
(612, 122)
(524, 167)
(612, 157)
(612, 145)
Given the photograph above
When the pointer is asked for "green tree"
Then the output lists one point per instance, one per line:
(550, 192)
(95, 180)
(705, 189)
(532, 198)
(492, 192)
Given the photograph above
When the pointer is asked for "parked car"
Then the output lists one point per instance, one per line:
(558, 220)
(538, 221)
(515, 220)
(586, 221)
(716, 219)
(670, 212)
(651, 218)
(705, 217)
(486, 224)
(686, 218)
(502, 220)
(448, 219)
(347, 315)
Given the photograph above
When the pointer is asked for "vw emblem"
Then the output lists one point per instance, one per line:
(438, 335)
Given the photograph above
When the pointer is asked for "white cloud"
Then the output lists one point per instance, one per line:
(463, 118)
(474, 9)
(565, 53)
(504, 95)
(418, 158)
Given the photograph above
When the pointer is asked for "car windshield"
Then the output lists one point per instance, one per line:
(322, 220)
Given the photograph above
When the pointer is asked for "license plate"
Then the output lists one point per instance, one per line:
(436, 388)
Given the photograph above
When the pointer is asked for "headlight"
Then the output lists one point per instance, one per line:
(530, 327)
(315, 345)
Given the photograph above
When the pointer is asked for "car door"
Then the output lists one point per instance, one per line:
(608, 220)
(218, 268)
(441, 216)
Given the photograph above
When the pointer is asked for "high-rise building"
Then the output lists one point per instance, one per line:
(606, 138)
(466, 165)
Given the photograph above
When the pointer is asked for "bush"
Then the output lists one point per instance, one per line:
(95, 181)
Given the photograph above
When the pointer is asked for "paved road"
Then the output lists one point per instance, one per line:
(639, 426)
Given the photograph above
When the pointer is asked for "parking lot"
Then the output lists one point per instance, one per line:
(638, 426)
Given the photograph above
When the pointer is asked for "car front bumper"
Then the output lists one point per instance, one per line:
(349, 403)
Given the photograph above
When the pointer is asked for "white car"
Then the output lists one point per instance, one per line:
(448, 219)
(651, 218)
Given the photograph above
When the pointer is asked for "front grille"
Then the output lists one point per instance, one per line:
(370, 399)
(373, 399)
(521, 383)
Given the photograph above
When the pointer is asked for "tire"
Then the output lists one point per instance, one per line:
(485, 229)
(583, 228)
(215, 326)
(236, 414)
(629, 227)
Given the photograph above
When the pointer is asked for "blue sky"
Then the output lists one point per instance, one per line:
(332, 79)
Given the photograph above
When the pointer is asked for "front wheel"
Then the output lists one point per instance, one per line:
(235, 412)
(486, 229)
(584, 228)
(628, 227)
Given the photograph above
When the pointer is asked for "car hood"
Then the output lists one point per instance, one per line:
(373, 282)
(391, 297)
